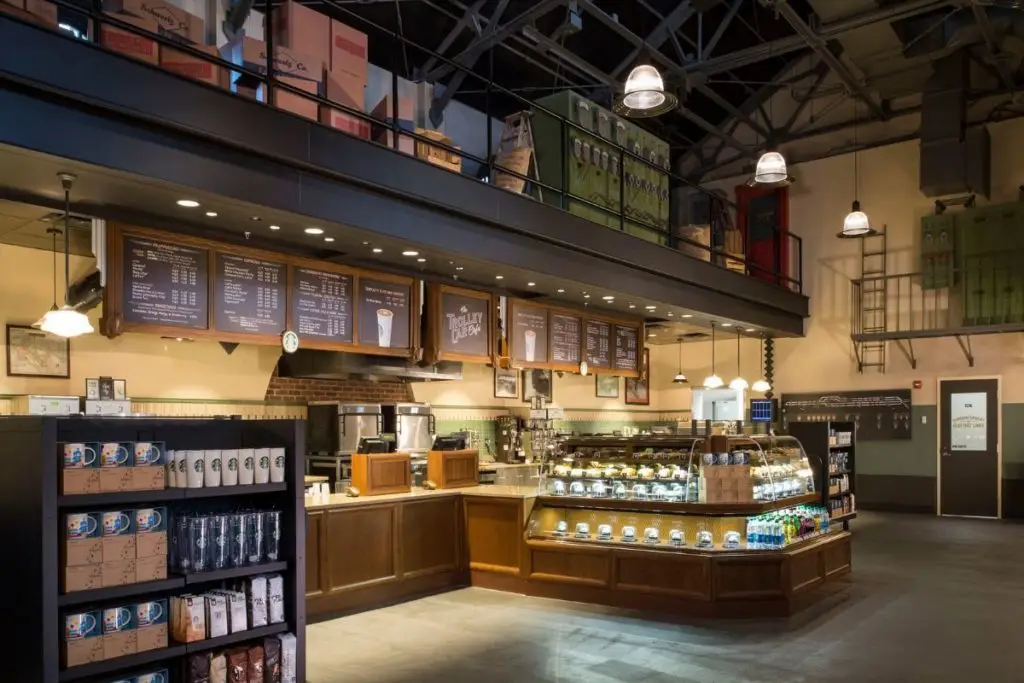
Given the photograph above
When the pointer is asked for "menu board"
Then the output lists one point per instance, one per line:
(597, 343)
(530, 334)
(249, 296)
(164, 284)
(565, 339)
(880, 414)
(384, 314)
(321, 305)
(627, 348)
(464, 324)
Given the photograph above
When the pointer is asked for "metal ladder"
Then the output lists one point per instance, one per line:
(517, 153)
(871, 354)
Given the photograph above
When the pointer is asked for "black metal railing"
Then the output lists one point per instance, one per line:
(466, 146)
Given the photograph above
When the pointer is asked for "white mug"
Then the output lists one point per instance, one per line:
(195, 469)
(78, 455)
(172, 471)
(246, 466)
(277, 459)
(229, 467)
(262, 471)
(212, 468)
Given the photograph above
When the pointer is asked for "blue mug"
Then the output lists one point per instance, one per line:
(148, 613)
(113, 455)
(76, 626)
(80, 525)
(116, 522)
(146, 453)
(116, 619)
(147, 519)
(78, 455)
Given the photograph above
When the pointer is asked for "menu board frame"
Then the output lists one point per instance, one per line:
(584, 316)
(113, 323)
(435, 324)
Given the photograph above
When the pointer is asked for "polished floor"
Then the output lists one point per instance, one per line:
(931, 601)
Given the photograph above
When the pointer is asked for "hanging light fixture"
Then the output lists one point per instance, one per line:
(761, 384)
(64, 321)
(680, 378)
(713, 381)
(856, 223)
(644, 95)
(771, 169)
(738, 383)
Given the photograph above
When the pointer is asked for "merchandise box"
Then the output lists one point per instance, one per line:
(118, 573)
(348, 51)
(116, 459)
(385, 136)
(151, 568)
(83, 638)
(252, 54)
(297, 104)
(345, 89)
(129, 43)
(86, 577)
(119, 634)
(36, 11)
(197, 69)
(171, 21)
(119, 541)
(80, 480)
(302, 28)
(151, 532)
(83, 539)
(151, 624)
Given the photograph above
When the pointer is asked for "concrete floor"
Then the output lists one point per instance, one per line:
(932, 600)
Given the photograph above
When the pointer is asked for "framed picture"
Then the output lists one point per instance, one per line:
(606, 386)
(120, 389)
(638, 390)
(34, 353)
(106, 388)
(506, 383)
(92, 389)
(537, 382)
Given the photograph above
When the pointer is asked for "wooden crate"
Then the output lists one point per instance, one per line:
(438, 155)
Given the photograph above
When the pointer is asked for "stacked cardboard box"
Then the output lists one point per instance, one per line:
(439, 156)
(114, 632)
(295, 68)
(347, 75)
(35, 11)
(726, 484)
(114, 548)
(129, 43)
(383, 134)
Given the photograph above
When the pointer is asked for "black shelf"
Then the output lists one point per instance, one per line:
(239, 490)
(109, 666)
(840, 473)
(840, 494)
(232, 638)
(841, 448)
(120, 498)
(235, 572)
(115, 592)
(843, 518)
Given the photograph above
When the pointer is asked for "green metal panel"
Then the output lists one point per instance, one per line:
(645, 233)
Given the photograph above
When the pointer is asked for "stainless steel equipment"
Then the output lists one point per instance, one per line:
(333, 431)
(412, 424)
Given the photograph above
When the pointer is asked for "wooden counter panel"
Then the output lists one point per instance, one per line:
(453, 469)
(685, 576)
(747, 577)
(804, 570)
(316, 557)
(569, 564)
(494, 533)
(379, 473)
(430, 536)
(361, 546)
(837, 557)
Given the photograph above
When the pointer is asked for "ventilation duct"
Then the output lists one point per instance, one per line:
(311, 364)
(954, 159)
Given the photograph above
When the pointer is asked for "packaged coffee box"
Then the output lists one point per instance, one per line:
(271, 660)
(216, 615)
(83, 539)
(81, 468)
(151, 624)
(275, 599)
(238, 616)
(288, 665)
(197, 668)
(83, 638)
(161, 676)
(116, 462)
(118, 573)
(149, 462)
(219, 668)
(120, 636)
(257, 601)
(151, 532)
(238, 665)
(188, 618)
(255, 664)
(118, 527)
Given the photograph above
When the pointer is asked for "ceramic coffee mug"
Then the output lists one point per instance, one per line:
(116, 522)
(195, 469)
(172, 471)
(80, 525)
(212, 466)
(148, 613)
(277, 458)
(78, 455)
(229, 467)
(77, 625)
(146, 453)
(116, 618)
(262, 472)
(147, 519)
(246, 466)
(157, 677)
(113, 454)
(181, 462)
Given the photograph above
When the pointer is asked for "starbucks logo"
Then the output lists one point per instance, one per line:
(264, 462)
(181, 466)
(232, 465)
(279, 461)
(248, 463)
(198, 467)
(216, 465)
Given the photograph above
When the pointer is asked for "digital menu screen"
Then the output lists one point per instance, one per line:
(627, 348)
(164, 283)
(529, 334)
(464, 324)
(321, 305)
(384, 313)
(597, 343)
(566, 337)
(249, 295)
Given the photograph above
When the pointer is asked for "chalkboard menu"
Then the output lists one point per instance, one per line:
(249, 296)
(597, 343)
(565, 339)
(384, 314)
(530, 334)
(464, 324)
(880, 415)
(164, 284)
(321, 305)
(627, 348)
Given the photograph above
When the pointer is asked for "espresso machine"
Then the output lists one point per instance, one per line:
(333, 433)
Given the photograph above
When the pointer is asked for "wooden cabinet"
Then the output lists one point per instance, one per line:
(453, 469)
(378, 473)
(494, 534)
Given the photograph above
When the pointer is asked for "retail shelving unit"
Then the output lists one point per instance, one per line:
(31, 523)
(837, 455)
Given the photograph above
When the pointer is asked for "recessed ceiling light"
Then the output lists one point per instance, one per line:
(670, 314)
(499, 277)
(750, 329)
(586, 296)
(275, 227)
(410, 252)
(377, 250)
(608, 298)
(328, 239)
(726, 324)
(451, 263)
(421, 260)
(650, 308)
(531, 284)
(211, 214)
(632, 305)
(254, 218)
(687, 315)
(365, 243)
(188, 203)
(651, 334)
(314, 231)
(561, 291)
(458, 268)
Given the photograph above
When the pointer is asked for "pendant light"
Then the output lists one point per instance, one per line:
(644, 94)
(738, 383)
(680, 378)
(771, 169)
(856, 223)
(64, 321)
(713, 381)
(761, 384)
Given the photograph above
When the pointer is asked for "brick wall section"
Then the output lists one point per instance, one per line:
(348, 390)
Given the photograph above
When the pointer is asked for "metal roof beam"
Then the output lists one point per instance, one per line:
(467, 17)
(668, 25)
(988, 32)
(819, 78)
(720, 31)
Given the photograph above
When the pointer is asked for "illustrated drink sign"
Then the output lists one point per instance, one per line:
(530, 327)
(384, 313)
(464, 324)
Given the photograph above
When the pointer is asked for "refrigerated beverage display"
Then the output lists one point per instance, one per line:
(775, 530)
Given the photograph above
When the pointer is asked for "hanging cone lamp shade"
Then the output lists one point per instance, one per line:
(713, 381)
(644, 95)
(771, 169)
(738, 383)
(856, 223)
(680, 378)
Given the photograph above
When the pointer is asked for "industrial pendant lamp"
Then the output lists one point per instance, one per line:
(644, 94)
(738, 383)
(680, 378)
(771, 169)
(761, 384)
(64, 321)
(856, 223)
(713, 381)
